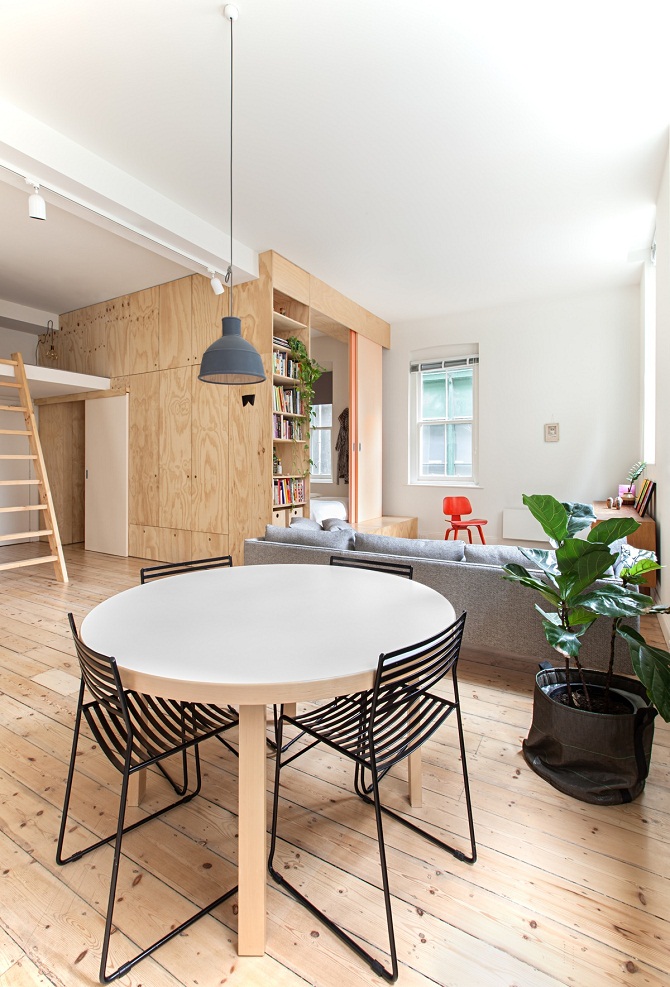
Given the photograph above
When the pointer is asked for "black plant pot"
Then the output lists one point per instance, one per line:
(596, 757)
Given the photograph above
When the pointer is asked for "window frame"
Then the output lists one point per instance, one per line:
(417, 369)
(313, 429)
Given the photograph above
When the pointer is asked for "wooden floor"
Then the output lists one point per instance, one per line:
(562, 893)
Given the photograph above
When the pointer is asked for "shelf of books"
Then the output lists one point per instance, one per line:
(290, 485)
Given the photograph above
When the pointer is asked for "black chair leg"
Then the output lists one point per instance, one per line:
(376, 966)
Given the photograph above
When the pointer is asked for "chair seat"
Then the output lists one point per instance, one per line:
(475, 521)
(159, 725)
(343, 723)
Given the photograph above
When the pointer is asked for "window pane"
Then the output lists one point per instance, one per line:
(319, 451)
(459, 450)
(432, 454)
(433, 395)
(459, 386)
(322, 415)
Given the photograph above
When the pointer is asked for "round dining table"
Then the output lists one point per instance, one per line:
(254, 636)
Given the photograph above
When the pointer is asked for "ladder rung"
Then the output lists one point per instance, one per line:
(9, 363)
(16, 431)
(18, 457)
(30, 507)
(20, 483)
(12, 407)
(22, 562)
(10, 383)
(26, 534)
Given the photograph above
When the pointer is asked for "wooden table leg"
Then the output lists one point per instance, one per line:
(415, 779)
(252, 862)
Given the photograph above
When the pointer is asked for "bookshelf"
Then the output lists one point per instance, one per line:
(290, 485)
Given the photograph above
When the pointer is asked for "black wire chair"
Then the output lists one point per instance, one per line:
(377, 565)
(176, 568)
(376, 729)
(136, 731)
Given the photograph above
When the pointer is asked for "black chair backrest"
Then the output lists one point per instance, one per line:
(100, 675)
(401, 693)
(176, 568)
(377, 565)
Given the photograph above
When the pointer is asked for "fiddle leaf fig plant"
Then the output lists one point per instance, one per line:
(568, 574)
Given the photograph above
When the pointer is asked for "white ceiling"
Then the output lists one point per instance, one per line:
(421, 157)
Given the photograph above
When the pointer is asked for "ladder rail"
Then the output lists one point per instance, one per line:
(41, 481)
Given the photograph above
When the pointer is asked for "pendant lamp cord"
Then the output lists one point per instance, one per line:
(229, 277)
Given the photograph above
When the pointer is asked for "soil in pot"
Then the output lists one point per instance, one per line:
(615, 704)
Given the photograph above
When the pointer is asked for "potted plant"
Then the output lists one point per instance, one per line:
(628, 495)
(592, 730)
(309, 372)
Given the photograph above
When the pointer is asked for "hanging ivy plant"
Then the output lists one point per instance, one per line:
(309, 372)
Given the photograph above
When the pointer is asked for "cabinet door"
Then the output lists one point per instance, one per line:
(365, 463)
(106, 471)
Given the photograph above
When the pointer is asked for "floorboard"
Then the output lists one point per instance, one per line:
(563, 893)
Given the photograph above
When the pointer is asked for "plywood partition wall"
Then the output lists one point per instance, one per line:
(200, 463)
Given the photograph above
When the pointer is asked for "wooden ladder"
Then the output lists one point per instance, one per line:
(45, 506)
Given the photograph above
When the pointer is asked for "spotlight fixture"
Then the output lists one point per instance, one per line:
(37, 207)
(215, 281)
(231, 359)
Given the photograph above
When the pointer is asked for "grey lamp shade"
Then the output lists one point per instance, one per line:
(231, 359)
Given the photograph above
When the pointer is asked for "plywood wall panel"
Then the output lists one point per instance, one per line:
(143, 542)
(209, 454)
(174, 545)
(143, 454)
(144, 309)
(208, 310)
(55, 429)
(206, 545)
(286, 277)
(117, 331)
(174, 485)
(174, 325)
(250, 476)
(331, 303)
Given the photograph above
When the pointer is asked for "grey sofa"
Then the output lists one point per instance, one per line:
(501, 615)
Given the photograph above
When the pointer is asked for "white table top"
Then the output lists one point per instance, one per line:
(262, 634)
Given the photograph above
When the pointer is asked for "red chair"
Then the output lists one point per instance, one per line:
(454, 508)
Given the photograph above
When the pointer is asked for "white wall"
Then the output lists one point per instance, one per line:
(572, 360)
(660, 471)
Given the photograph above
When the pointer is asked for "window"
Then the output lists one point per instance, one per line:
(443, 403)
(320, 445)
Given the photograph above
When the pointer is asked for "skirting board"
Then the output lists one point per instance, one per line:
(519, 525)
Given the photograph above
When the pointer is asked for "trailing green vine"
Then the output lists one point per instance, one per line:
(309, 372)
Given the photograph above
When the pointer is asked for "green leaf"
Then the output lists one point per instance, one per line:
(550, 513)
(542, 559)
(635, 574)
(580, 516)
(611, 530)
(581, 564)
(652, 667)
(611, 602)
(517, 574)
(567, 643)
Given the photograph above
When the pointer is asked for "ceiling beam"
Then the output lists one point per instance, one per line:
(88, 186)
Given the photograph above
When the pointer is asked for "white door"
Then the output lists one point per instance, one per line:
(106, 472)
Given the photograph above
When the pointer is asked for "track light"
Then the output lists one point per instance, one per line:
(215, 281)
(37, 207)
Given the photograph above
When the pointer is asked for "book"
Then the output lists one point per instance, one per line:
(646, 498)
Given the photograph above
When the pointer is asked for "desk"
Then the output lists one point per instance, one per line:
(644, 537)
(218, 637)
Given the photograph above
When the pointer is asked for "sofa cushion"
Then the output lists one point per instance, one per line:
(299, 535)
(418, 548)
(306, 523)
(336, 524)
(628, 556)
(497, 555)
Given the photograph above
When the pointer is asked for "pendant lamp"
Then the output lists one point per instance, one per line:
(231, 359)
